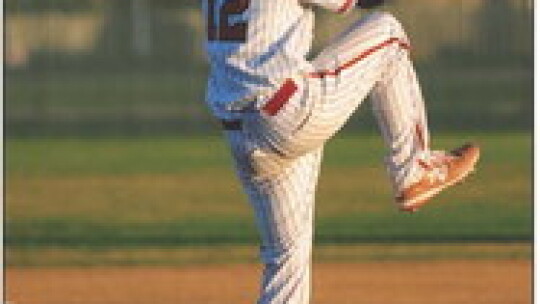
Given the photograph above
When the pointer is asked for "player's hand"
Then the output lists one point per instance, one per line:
(369, 3)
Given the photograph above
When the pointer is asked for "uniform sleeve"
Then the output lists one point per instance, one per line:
(338, 6)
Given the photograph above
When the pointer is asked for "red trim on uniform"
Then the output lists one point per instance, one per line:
(346, 6)
(280, 98)
(362, 56)
(420, 135)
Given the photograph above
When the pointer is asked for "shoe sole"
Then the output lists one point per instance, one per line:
(414, 204)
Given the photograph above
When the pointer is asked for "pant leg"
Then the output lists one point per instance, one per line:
(398, 105)
(283, 207)
(370, 58)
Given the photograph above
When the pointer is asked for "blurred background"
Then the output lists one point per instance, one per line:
(113, 159)
(94, 67)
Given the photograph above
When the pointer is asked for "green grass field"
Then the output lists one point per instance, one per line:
(169, 192)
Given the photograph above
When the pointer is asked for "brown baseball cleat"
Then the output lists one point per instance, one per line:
(450, 169)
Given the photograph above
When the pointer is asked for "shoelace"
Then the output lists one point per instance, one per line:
(436, 166)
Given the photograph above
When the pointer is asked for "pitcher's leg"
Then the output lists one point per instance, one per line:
(398, 105)
(372, 58)
(384, 70)
(283, 207)
(362, 42)
(346, 72)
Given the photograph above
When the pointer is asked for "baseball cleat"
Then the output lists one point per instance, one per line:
(447, 171)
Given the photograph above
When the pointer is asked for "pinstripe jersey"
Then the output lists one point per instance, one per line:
(254, 44)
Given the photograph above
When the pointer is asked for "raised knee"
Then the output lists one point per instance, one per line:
(388, 18)
(391, 24)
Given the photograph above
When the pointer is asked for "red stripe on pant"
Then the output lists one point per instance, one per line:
(280, 98)
(346, 6)
(362, 56)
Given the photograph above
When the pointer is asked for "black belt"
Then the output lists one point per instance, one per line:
(232, 125)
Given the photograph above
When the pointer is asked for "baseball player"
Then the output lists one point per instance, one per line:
(278, 108)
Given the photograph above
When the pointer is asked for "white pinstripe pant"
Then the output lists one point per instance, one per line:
(278, 155)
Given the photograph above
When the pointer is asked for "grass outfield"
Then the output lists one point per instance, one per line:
(241, 254)
(168, 192)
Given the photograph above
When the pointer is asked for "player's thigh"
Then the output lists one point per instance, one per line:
(346, 72)
(256, 165)
(369, 35)
(334, 100)
(282, 203)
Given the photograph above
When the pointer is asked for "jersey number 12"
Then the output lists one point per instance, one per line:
(223, 31)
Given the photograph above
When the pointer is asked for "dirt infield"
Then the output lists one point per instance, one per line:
(434, 282)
